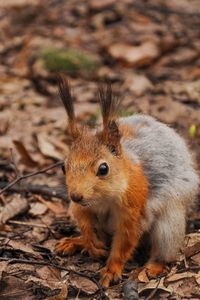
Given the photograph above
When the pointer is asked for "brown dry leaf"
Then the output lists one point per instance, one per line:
(49, 273)
(135, 55)
(196, 258)
(101, 5)
(56, 207)
(62, 295)
(153, 284)
(192, 238)
(3, 266)
(49, 277)
(186, 287)
(180, 276)
(142, 276)
(84, 284)
(37, 209)
(16, 289)
(25, 154)
(17, 205)
(192, 250)
(47, 148)
(4, 125)
(19, 245)
(137, 83)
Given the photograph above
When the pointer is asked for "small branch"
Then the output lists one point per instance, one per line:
(27, 224)
(38, 189)
(20, 177)
(152, 294)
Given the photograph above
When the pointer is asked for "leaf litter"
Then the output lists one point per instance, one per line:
(150, 52)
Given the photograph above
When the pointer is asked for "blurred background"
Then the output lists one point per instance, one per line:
(149, 50)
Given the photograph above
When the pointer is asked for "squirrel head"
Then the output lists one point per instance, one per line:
(94, 166)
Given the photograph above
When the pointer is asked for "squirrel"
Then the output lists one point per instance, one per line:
(133, 176)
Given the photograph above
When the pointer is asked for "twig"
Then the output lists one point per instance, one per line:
(27, 224)
(20, 177)
(151, 295)
(37, 189)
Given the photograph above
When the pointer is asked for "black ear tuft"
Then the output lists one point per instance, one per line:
(110, 135)
(66, 97)
(109, 103)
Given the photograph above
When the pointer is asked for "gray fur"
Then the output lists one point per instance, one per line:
(173, 181)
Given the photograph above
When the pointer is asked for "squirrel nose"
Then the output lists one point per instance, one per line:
(76, 197)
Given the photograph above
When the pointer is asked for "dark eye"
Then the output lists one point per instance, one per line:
(63, 168)
(103, 170)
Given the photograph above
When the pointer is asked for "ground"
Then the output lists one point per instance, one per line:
(149, 50)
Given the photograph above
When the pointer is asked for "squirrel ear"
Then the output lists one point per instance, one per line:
(110, 135)
(113, 138)
(66, 97)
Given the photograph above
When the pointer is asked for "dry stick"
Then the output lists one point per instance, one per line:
(27, 224)
(38, 189)
(20, 177)
(152, 294)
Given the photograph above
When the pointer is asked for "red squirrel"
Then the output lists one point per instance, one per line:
(135, 175)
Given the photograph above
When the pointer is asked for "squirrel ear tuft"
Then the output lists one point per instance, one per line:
(110, 134)
(66, 97)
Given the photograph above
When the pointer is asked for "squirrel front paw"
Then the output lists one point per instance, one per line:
(94, 252)
(69, 246)
(152, 270)
(112, 272)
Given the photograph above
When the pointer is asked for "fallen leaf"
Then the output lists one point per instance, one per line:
(37, 209)
(56, 207)
(16, 288)
(135, 55)
(47, 148)
(196, 258)
(101, 5)
(142, 276)
(153, 284)
(25, 154)
(84, 284)
(186, 287)
(192, 250)
(137, 83)
(17, 205)
(179, 276)
(19, 245)
(62, 295)
(3, 266)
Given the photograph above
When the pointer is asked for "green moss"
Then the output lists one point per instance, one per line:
(70, 61)
(125, 113)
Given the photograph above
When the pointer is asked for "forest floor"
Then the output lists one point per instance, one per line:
(150, 51)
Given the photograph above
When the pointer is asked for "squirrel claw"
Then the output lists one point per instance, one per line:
(95, 252)
(154, 269)
(108, 276)
(67, 246)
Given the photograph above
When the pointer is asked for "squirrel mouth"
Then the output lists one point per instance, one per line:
(87, 203)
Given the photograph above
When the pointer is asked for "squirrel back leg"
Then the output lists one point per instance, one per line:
(167, 236)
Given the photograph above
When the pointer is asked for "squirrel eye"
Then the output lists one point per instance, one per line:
(103, 170)
(63, 168)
